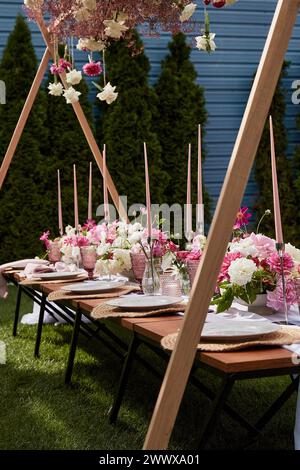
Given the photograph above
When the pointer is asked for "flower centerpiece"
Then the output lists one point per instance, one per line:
(252, 268)
(96, 24)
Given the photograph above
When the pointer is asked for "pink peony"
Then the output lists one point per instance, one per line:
(275, 263)
(242, 218)
(275, 298)
(92, 69)
(224, 276)
(45, 239)
(265, 246)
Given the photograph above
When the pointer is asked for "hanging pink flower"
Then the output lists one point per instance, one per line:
(92, 69)
(56, 70)
(242, 218)
(64, 64)
(275, 263)
(275, 298)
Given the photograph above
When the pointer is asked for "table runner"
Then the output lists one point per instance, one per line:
(64, 295)
(285, 335)
(106, 311)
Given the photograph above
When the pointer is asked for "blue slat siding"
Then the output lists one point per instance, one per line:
(226, 75)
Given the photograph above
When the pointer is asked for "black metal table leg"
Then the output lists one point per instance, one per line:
(217, 406)
(73, 346)
(124, 378)
(17, 311)
(40, 327)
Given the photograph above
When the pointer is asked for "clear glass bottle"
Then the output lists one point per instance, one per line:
(151, 280)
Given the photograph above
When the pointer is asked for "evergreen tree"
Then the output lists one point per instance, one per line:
(22, 210)
(65, 146)
(181, 107)
(263, 173)
(128, 122)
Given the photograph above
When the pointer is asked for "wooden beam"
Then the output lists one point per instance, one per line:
(244, 152)
(24, 117)
(86, 129)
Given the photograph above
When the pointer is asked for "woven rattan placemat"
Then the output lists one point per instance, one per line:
(106, 311)
(40, 282)
(284, 336)
(63, 295)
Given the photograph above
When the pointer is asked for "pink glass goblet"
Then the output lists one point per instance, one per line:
(138, 263)
(89, 259)
(192, 266)
(54, 253)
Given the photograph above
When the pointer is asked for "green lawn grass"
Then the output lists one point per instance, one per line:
(39, 412)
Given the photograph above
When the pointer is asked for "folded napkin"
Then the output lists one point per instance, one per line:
(33, 270)
(4, 267)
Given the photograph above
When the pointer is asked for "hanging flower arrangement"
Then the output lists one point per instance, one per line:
(95, 24)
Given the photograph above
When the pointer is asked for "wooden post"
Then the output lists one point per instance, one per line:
(244, 152)
(24, 116)
(86, 129)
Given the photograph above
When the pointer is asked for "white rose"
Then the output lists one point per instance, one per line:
(55, 89)
(71, 95)
(241, 271)
(245, 246)
(108, 94)
(205, 43)
(188, 12)
(74, 77)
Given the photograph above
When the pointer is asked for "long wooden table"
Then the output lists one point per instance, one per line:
(229, 366)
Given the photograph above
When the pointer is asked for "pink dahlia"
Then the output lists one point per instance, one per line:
(224, 276)
(275, 263)
(242, 218)
(92, 69)
(275, 298)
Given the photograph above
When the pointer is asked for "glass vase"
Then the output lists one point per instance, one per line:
(151, 280)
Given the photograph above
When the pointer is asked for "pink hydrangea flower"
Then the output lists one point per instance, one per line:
(92, 69)
(45, 239)
(275, 298)
(242, 218)
(275, 263)
(265, 246)
(224, 276)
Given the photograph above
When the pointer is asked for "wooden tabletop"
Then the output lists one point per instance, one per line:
(155, 328)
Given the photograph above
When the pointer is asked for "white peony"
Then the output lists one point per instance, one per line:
(55, 89)
(293, 252)
(90, 44)
(205, 43)
(245, 246)
(71, 95)
(74, 77)
(108, 94)
(241, 271)
(123, 258)
(114, 29)
(188, 12)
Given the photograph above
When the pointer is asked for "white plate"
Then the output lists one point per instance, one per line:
(23, 264)
(233, 330)
(57, 276)
(139, 302)
(93, 287)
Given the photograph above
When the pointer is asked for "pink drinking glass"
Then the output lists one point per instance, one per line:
(54, 253)
(89, 259)
(192, 266)
(138, 263)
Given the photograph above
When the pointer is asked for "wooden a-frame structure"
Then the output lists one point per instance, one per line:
(240, 165)
(48, 54)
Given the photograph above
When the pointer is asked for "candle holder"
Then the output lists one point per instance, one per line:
(280, 247)
(200, 219)
(89, 259)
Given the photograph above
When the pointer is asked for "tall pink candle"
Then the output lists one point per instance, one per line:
(60, 219)
(189, 194)
(75, 199)
(148, 195)
(200, 186)
(277, 213)
(90, 204)
(105, 192)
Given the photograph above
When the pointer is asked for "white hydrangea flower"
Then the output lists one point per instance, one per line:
(205, 43)
(245, 246)
(108, 94)
(55, 89)
(241, 271)
(71, 95)
(70, 231)
(74, 77)
(188, 12)
(114, 29)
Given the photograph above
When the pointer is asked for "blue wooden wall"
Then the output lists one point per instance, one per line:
(226, 75)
